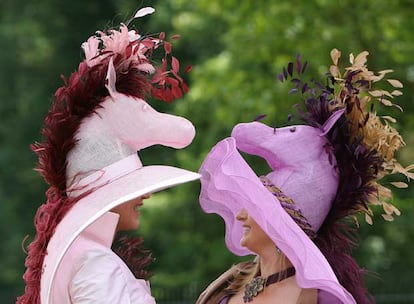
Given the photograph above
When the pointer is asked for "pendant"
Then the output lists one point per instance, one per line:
(253, 288)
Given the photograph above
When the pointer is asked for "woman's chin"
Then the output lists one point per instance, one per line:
(243, 242)
(133, 225)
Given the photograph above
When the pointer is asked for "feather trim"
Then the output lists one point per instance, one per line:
(78, 98)
(364, 145)
(355, 90)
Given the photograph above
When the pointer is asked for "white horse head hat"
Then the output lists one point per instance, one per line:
(98, 122)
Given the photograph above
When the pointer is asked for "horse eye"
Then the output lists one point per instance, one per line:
(293, 129)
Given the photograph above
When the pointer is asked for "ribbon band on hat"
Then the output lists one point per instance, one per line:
(106, 175)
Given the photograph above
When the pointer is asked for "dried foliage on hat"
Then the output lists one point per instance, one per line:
(364, 146)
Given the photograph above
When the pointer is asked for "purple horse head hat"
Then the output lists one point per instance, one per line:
(302, 163)
(321, 173)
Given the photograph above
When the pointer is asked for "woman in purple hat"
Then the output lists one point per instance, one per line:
(98, 122)
(323, 172)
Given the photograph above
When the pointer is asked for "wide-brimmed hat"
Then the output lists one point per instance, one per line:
(98, 124)
(321, 174)
(105, 169)
(229, 185)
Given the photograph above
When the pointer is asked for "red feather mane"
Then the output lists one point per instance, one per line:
(78, 98)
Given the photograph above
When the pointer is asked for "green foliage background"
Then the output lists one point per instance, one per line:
(236, 48)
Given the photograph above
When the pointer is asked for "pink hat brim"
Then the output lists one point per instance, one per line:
(148, 179)
(228, 184)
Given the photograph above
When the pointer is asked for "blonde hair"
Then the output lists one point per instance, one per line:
(246, 271)
(243, 273)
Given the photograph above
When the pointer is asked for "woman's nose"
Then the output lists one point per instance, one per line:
(145, 196)
(242, 215)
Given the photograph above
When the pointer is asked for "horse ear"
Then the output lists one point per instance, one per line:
(110, 79)
(329, 123)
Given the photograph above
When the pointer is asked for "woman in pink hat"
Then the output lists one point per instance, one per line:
(98, 122)
(323, 172)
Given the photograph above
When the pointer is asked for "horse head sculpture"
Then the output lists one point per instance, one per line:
(301, 160)
(121, 126)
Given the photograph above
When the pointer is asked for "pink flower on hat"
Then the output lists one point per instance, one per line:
(117, 71)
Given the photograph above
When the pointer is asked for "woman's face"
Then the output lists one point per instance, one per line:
(254, 238)
(129, 213)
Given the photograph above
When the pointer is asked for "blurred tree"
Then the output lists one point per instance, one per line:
(40, 40)
(237, 48)
(236, 82)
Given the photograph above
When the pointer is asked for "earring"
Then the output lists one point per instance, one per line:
(278, 251)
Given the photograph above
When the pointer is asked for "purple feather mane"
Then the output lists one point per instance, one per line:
(360, 163)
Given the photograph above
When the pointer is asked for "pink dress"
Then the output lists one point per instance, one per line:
(91, 272)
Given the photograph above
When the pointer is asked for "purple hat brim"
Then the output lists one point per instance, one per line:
(228, 184)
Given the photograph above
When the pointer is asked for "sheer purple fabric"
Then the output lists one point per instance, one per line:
(228, 184)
